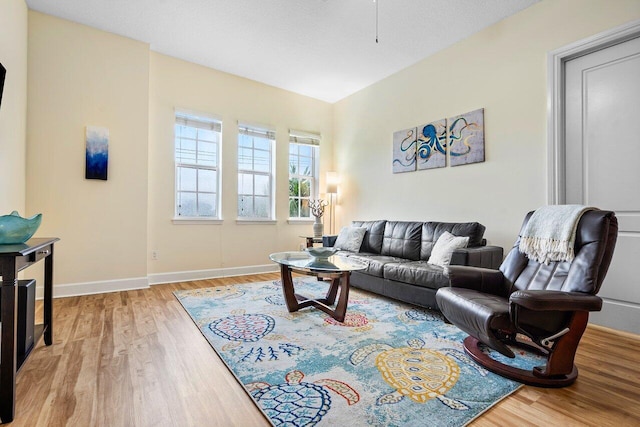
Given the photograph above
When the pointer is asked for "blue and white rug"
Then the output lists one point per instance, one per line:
(388, 364)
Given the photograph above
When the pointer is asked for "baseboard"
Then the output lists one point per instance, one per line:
(619, 315)
(100, 287)
(185, 276)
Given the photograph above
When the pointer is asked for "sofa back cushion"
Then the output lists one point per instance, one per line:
(402, 239)
(431, 231)
(372, 242)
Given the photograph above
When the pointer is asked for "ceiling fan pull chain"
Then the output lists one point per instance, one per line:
(376, 2)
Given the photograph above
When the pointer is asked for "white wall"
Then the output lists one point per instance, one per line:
(504, 70)
(13, 112)
(179, 84)
(79, 77)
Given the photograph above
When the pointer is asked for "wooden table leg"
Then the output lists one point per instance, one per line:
(287, 289)
(341, 308)
(48, 298)
(9, 292)
(333, 290)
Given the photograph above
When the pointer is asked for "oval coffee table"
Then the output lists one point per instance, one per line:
(336, 267)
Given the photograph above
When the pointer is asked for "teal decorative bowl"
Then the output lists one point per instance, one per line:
(16, 229)
(322, 252)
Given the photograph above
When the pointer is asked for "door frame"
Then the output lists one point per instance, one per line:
(556, 61)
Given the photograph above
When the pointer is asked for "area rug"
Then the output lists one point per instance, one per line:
(388, 364)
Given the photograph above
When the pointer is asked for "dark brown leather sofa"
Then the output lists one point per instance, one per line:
(396, 254)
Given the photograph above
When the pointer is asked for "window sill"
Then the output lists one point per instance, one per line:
(196, 221)
(300, 221)
(255, 221)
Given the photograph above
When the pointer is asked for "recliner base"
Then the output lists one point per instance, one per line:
(471, 346)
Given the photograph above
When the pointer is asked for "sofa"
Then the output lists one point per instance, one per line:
(397, 257)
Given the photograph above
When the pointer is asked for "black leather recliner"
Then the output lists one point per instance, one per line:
(549, 304)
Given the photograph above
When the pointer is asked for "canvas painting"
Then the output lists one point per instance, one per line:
(466, 138)
(97, 153)
(404, 150)
(432, 145)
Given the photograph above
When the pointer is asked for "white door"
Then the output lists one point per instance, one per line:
(603, 164)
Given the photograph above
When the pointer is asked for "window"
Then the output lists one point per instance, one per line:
(255, 173)
(197, 145)
(304, 153)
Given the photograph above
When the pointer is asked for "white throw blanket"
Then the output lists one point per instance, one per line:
(550, 233)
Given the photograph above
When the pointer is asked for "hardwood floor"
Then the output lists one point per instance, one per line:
(136, 359)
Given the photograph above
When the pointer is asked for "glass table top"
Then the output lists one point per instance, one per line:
(304, 261)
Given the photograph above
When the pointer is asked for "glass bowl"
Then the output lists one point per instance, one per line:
(321, 252)
(16, 229)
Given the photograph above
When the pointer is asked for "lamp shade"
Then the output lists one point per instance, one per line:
(332, 182)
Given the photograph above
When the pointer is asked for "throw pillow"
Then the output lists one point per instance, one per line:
(350, 238)
(444, 247)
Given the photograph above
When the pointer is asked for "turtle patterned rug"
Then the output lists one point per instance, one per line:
(388, 364)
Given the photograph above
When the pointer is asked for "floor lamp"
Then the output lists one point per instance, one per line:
(332, 191)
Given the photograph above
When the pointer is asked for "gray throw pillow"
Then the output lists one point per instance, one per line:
(350, 239)
(444, 247)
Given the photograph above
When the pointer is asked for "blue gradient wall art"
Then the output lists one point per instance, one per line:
(97, 155)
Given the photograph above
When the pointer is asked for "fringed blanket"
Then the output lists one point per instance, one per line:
(550, 233)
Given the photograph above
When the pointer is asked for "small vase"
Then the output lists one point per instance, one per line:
(318, 227)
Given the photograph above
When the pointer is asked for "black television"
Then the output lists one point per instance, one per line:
(3, 72)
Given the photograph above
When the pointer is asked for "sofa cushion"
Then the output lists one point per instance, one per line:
(402, 240)
(419, 273)
(444, 247)
(350, 238)
(431, 231)
(376, 263)
(372, 242)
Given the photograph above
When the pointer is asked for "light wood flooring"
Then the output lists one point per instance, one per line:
(136, 359)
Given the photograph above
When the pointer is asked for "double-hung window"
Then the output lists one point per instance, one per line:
(197, 158)
(255, 173)
(304, 153)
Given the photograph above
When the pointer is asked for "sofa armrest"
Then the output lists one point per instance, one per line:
(480, 279)
(543, 300)
(478, 256)
(329, 241)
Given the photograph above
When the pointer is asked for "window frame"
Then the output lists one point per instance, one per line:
(197, 121)
(311, 140)
(263, 133)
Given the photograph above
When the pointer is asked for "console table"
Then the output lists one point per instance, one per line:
(15, 258)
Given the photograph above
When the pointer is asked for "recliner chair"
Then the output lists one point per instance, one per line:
(549, 304)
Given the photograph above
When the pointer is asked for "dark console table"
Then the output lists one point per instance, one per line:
(15, 258)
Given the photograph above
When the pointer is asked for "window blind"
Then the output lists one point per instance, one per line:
(301, 137)
(198, 122)
(256, 132)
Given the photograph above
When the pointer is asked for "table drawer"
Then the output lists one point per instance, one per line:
(40, 253)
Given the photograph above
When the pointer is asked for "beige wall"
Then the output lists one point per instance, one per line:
(13, 112)
(179, 84)
(504, 70)
(79, 76)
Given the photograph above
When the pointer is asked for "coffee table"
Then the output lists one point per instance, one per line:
(336, 268)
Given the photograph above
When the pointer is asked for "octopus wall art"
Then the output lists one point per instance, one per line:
(466, 138)
(426, 146)
(404, 150)
(432, 145)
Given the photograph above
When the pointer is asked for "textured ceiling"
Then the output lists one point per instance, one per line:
(325, 49)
